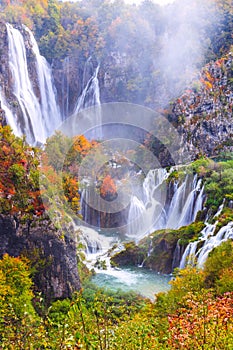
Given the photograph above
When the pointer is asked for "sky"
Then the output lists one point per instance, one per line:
(137, 2)
(160, 2)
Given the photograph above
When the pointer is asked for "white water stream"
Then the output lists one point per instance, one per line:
(39, 112)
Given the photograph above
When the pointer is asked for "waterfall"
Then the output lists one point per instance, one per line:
(184, 208)
(152, 211)
(176, 255)
(220, 209)
(65, 88)
(136, 224)
(89, 206)
(147, 213)
(208, 242)
(96, 246)
(49, 108)
(90, 96)
(10, 117)
(40, 115)
(192, 204)
(176, 205)
(190, 253)
(94, 242)
(225, 233)
(188, 258)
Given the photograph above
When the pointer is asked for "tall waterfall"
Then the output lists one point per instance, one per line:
(155, 211)
(10, 117)
(65, 88)
(90, 96)
(86, 200)
(40, 114)
(49, 108)
(208, 241)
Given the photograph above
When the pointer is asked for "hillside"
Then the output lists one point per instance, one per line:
(150, 189)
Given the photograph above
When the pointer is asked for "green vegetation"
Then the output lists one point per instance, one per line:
(199, 302)
(217, 177)
(218, 180)
(161, 245)
(197, 311)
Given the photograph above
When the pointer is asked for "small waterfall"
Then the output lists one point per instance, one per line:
(40, 115)
(137, 212)
(190, 253)
(97, 249)
(209, 241)
(150, 250)
(193, 203)
(220, 209)
(176, 255)
(90, 96)
(94, 242)
(147, 214)
(184, 208)
(188, 258)
(152, 212)
(153, 179)
(89, 206)
(176, 205)
(225, 233)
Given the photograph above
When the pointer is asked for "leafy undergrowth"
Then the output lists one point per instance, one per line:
(195, 313)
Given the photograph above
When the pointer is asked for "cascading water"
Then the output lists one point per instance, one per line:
(40, 115)
(65, 88)
(152, 212)
(97, 246)
(49, 108)
(189, 255)
(87, 203)
(225, 233)
(90, 96)
(177, 255)
(147, 213)
(208, 241)
(94, 242)
(10, 117)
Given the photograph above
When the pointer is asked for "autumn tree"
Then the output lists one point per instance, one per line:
(108, 188)
(19, 176)
(19, 324)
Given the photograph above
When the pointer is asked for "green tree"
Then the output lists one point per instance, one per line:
(19, 325)
(219, 262)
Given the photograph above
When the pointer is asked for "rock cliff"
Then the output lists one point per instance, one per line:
(204, 112)
(53, 257)
(161, 251)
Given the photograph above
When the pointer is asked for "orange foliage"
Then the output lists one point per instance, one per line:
(71, 188)
(19, 192)
(108, 187)
(197, 324)
(82, 145)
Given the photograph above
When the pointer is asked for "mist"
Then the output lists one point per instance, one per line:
(185, 44)
(150, 54)
(163, 47)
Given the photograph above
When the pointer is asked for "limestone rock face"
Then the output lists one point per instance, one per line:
(156, 254)
(205, 111)
(57, 274)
